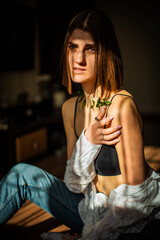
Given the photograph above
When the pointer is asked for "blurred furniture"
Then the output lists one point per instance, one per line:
(22, 142)
(31, 144)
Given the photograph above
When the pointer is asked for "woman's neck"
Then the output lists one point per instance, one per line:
(94, 96)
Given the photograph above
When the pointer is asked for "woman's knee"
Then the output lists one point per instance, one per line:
(20, 170)
(15, 177)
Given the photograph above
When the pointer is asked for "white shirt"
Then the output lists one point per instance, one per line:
(127, 209)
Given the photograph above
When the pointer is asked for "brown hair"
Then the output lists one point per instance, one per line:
(109, 69)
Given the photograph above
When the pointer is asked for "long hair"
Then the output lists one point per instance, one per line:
(109, 69)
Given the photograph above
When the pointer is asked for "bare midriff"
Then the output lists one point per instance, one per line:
(106, 184)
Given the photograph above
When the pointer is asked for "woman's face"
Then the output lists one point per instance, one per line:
(81, 57)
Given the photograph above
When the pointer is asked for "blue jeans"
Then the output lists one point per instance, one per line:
(25, 181)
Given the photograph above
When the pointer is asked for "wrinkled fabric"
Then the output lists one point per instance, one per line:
(127, 209)
(80, 170)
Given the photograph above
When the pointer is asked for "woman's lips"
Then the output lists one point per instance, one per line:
(79, 70)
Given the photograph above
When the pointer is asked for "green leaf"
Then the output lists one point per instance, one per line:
(109, 102)
(83, 103)
(97, 105)
(99, 100)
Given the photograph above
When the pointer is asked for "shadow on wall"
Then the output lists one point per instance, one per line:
(151, 129)
(137, 26)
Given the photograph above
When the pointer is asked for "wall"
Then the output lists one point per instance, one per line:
(138, 31)
(12, 83)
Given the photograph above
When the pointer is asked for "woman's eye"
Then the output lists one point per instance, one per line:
(91, 49)
(72, 46)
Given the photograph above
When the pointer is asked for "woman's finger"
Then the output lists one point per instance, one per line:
(100, 115)
(112, 142)
(108, 131)
(106, 120)
(111, 136)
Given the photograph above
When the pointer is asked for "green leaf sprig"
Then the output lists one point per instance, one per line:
(100, 102)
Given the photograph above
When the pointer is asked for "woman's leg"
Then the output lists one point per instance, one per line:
(26, 181)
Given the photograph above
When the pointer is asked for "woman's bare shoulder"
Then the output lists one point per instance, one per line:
(121, 100)
(124, 108)
(68, 107)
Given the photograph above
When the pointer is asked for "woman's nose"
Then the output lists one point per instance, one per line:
(80, 57)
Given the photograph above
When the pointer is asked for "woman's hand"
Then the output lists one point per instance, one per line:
(99, 133)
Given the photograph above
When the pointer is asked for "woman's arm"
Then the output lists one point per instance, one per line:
(68, 121)
(130, 148)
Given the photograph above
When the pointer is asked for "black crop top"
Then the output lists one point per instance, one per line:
(106, 162)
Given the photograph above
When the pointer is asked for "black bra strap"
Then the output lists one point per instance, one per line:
(75, 112)
(122, 95)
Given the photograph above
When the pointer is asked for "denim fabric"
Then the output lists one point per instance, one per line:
(25, 181)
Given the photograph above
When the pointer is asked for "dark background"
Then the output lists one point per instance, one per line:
(31, 38)
(32, 34)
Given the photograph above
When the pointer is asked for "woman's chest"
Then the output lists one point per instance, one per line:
(83, 118)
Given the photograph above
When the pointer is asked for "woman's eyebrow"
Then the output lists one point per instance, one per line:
(90, 45)
(73, 43)
(86, 45)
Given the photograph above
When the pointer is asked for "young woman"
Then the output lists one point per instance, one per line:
(108, 191)
(116, 181)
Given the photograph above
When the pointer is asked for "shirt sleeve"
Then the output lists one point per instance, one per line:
(80, 170)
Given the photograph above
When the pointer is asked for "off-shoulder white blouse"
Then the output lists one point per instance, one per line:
(127, 209)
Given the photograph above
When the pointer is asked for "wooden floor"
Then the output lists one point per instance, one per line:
(30, 221)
